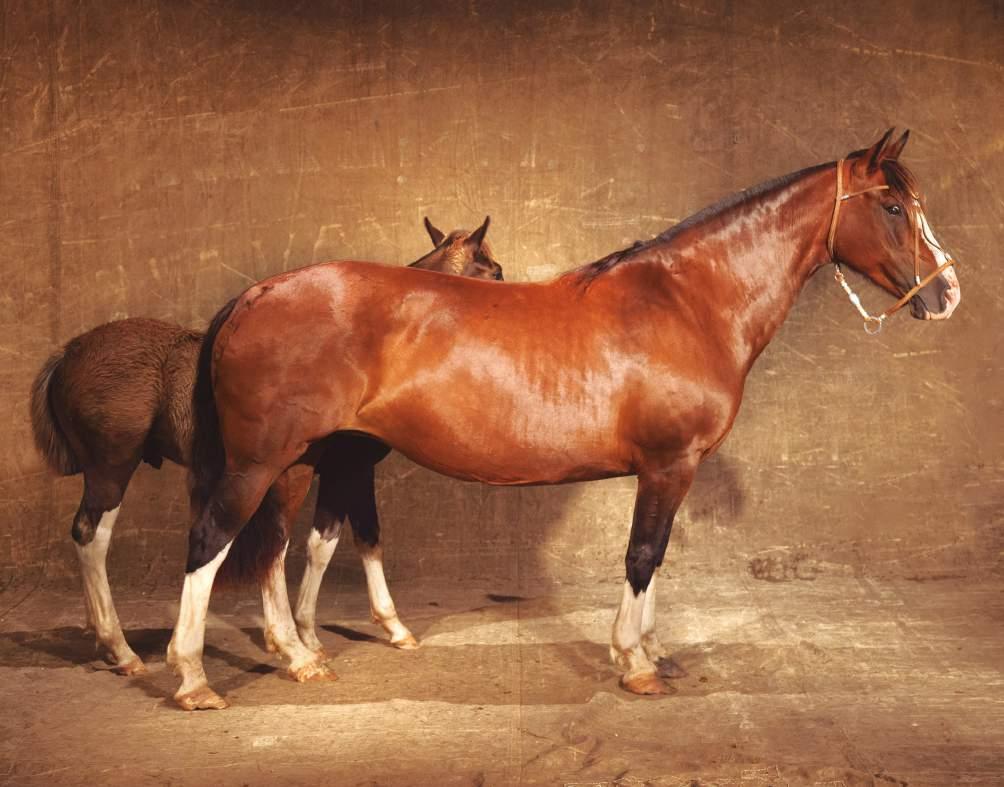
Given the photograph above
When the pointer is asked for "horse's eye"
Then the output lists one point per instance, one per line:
(894, 210)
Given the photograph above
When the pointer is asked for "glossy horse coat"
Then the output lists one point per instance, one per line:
(634, 364)
(122, 393)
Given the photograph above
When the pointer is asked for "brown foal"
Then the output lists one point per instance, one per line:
(122, 393)
(632, 365)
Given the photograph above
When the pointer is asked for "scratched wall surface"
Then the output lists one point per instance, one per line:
(155, 158)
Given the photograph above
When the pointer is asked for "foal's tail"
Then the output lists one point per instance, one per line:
(263, 538)
(49, 438)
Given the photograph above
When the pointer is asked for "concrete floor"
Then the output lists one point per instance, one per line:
(836, 681)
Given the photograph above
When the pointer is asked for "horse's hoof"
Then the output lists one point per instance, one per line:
(316, 670)
(668, 668)
(406, 643)
(644, 683)
(202, 698)
(133, 667)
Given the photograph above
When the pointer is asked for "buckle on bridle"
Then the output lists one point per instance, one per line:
(873, 325)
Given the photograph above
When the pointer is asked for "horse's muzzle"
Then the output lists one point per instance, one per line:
(949, 298)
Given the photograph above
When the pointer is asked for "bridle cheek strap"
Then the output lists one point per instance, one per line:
(873, 323)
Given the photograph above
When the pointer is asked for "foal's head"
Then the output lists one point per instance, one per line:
(884, 234)
(461, 253)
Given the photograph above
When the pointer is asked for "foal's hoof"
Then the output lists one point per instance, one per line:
(316, 670)
(202, 698)
(668, 668)
(644, 683)
(132, 667)
(406, 643)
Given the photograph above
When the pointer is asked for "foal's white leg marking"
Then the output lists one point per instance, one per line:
(101, 614)
(649, 638)
(319, 552)
(381, 604)
(184, 651)
(626, 650)
(280, 629)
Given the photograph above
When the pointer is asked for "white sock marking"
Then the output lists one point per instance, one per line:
(626, 642)
(185, 649)
(319, 553)
(280, 629)
(101, 612)
(381, 603)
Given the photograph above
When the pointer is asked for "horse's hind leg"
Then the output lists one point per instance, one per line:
(280, 628)
(92, 533)
(228, 508)
(659, 497)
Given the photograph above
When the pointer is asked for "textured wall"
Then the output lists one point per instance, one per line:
(157, 157)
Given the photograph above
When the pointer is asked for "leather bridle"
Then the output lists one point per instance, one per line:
(873, 323)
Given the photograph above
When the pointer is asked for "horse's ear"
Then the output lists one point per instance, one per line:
(476, 238)
(876, 152)
(434, 233)
(893, 150)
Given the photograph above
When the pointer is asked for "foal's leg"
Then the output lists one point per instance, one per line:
(659, 497)
(362, 512)
(230, 506)
(280, 629)
(347, 493)
(321, 546)
(92, 533)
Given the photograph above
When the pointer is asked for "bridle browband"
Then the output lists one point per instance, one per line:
(873, 323)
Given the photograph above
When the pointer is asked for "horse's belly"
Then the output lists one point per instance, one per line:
(513, 450)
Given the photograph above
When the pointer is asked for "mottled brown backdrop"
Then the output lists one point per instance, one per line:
(158, 156)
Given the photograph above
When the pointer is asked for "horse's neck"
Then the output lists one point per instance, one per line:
(758, 261)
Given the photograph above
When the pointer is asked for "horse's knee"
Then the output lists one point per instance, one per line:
(641, 563)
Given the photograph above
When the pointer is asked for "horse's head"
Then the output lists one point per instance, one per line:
(884, 234)
(461, 253)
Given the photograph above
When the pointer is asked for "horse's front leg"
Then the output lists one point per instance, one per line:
(650, 642)
(281, 635)
(660, 494)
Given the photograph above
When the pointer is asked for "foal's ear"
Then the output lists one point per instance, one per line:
(434, 233)
(876, 152)
(476, 238)
(893, 150)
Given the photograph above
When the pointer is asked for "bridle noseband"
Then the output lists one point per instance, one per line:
(873, 323)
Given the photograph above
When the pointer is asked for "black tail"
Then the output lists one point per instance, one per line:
(263, 538)
(208, 454)
(49, 438)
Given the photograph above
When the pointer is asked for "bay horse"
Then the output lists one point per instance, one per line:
(632, 365)
(121, 393)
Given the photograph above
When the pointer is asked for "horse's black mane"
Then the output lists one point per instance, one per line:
(900, 180)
